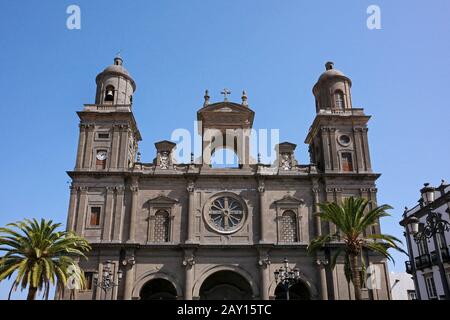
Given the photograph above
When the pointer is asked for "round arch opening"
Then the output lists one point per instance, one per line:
(225, 285)
(158, 289)
(298, 291)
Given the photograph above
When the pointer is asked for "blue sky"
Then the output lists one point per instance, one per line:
(176, 49)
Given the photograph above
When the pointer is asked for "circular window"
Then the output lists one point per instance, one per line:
(225, 214)
(344, 140)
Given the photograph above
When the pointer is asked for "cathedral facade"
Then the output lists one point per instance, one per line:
(168, 230)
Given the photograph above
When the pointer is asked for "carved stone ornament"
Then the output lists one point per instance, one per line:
(261, 187)
(189, 262)
(265, 262)
(164, 164)
(190, 186)
(286, 161)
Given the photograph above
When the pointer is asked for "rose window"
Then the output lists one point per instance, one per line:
(226, 214)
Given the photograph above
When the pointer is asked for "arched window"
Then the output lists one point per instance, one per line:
(109, 93)
(289, 227)
(347, 161)
(339, 99)
(162, 224)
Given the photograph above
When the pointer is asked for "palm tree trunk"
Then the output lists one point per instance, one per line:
(32, 293)
(356, 276)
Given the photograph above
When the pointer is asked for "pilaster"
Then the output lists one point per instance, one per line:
(118, 214)
(109, 201)
(134, 188)
(188, 263)
(81, 211)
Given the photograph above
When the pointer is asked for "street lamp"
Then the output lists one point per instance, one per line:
(435, 226)
(287, 277)
(107, 282)
(427, 193)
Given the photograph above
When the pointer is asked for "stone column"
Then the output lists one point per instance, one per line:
(264, 264)
(322, 263)
(188, 263)
(357, 146)
(118, 215)
(365, 143)
(72, 208)
(129, 276)
(124, 132)
(191, 213)
(113, 162)
(81, 145)
(108, 215)
(89, 152)
(334, 154)
(133, 213)
(81, 211)
(262, 211)
(331, 198)
(326, 148)
(318, 223)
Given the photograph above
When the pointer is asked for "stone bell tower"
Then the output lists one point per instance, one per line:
(338, 136)
(108, 132)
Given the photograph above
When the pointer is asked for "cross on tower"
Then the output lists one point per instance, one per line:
(225, 93)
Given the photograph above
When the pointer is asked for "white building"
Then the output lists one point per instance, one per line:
(402, 286)
(427, 227)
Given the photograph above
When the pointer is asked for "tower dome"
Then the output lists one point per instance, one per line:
(332, 90)
(115, 85)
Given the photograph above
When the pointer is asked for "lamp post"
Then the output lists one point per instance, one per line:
(107, 281)
(435, 226)
(287, 277)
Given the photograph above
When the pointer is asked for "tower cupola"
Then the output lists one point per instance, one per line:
(115, 85)
(332, 90)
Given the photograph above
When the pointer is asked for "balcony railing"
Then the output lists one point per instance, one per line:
(445, 256)
(423, 261)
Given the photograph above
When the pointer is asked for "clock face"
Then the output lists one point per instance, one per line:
(101, 155)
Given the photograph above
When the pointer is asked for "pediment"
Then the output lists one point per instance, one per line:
(162, 200)
(289, 200)
(226, 112)
(227, 107)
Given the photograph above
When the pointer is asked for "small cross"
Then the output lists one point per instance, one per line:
(225, 93)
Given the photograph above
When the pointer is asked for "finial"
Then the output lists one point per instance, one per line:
(118, 61)
(244, 98)
(329, 65)
(225, 93)
(259, 157)
(192, 158)
(206, 98)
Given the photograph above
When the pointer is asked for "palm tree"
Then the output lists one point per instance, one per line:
(352, 218)
(40, 256)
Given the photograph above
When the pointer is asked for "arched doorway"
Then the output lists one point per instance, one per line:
(225, 285)
(298, 291)
(158, 289)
